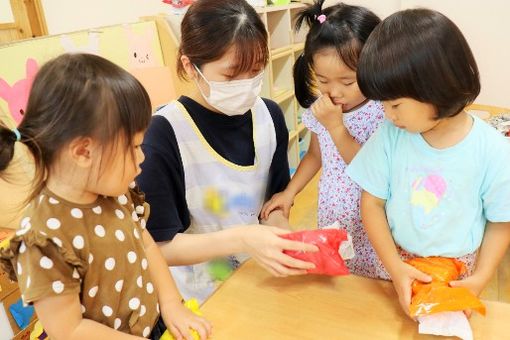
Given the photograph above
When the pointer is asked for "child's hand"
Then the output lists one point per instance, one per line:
(403, 276)
(180, 321)
(327, 113)
(282, 200)
(474, 283)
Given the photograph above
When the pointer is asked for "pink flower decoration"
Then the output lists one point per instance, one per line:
(321, 18)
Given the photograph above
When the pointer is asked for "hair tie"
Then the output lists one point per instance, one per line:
(17, 133)
(321, 18)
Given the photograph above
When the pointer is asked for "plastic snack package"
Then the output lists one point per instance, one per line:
(446, 324)
(327, 260)
(437, 296)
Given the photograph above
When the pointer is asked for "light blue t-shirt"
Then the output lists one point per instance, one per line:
(437, 201)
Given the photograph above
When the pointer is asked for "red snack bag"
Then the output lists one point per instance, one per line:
(437, 296)
(327, 260)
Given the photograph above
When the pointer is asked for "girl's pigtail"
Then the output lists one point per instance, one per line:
(303, 75)
(309, 15)
(304, 82)
(7, 139)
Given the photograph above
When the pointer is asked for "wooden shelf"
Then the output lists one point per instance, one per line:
(278, 26)
(282, 96)
(281, 53)
(298, 47)
(281, 71)
(301, 128)
(292, 135)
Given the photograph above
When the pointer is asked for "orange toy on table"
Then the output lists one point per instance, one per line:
(437, 296)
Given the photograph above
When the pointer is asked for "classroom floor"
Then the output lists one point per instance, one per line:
(304, 216)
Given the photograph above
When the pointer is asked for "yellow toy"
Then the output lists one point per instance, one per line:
(192, 305)
(38, 332)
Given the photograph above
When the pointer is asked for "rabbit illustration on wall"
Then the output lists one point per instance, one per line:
(16, 95)
(141, 50)
(91, 47)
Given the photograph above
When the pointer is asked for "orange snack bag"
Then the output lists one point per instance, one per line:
(437, 296)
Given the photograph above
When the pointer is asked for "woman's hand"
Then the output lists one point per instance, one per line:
(327, 113)
(403, 275)
(282, 200)
(266, 247)
(180, 321)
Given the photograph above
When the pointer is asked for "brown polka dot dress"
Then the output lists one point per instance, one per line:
(93, 250)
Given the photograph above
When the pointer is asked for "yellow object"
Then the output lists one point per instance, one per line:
(5, 243)
(37, 331)
(5, 237)
(214, 202)
(192, 305)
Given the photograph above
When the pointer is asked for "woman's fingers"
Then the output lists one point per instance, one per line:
(293, 263)
(298, 246)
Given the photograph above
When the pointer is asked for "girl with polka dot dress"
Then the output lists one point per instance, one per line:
(82, 255)
(341, 120)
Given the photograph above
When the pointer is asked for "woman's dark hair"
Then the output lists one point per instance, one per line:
(77, 95)
(210, 27)
(345, 28)
(419, 54)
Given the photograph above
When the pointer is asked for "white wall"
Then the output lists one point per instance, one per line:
(487, 29)
(483, 22)
(74, 15)
(6, 12)
(485, 25)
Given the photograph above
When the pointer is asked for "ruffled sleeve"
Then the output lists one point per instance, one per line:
(141, 207)
(42, 266)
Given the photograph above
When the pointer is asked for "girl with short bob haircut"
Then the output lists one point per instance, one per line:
(435, 179)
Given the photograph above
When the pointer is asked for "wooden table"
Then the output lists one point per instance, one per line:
(253, 305)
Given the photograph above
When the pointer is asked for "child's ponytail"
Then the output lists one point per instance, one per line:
(7, 140)
(303, 82)
(309, 15)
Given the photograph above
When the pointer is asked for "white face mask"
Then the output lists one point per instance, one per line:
(233, 97)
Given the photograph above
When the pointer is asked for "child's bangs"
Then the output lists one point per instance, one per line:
(382, 77)
(126, 110)
(349, 53)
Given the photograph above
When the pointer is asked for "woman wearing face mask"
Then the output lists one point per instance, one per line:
(216, 154)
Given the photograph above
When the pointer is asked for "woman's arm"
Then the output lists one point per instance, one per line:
(261, 242)
(62, 319)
